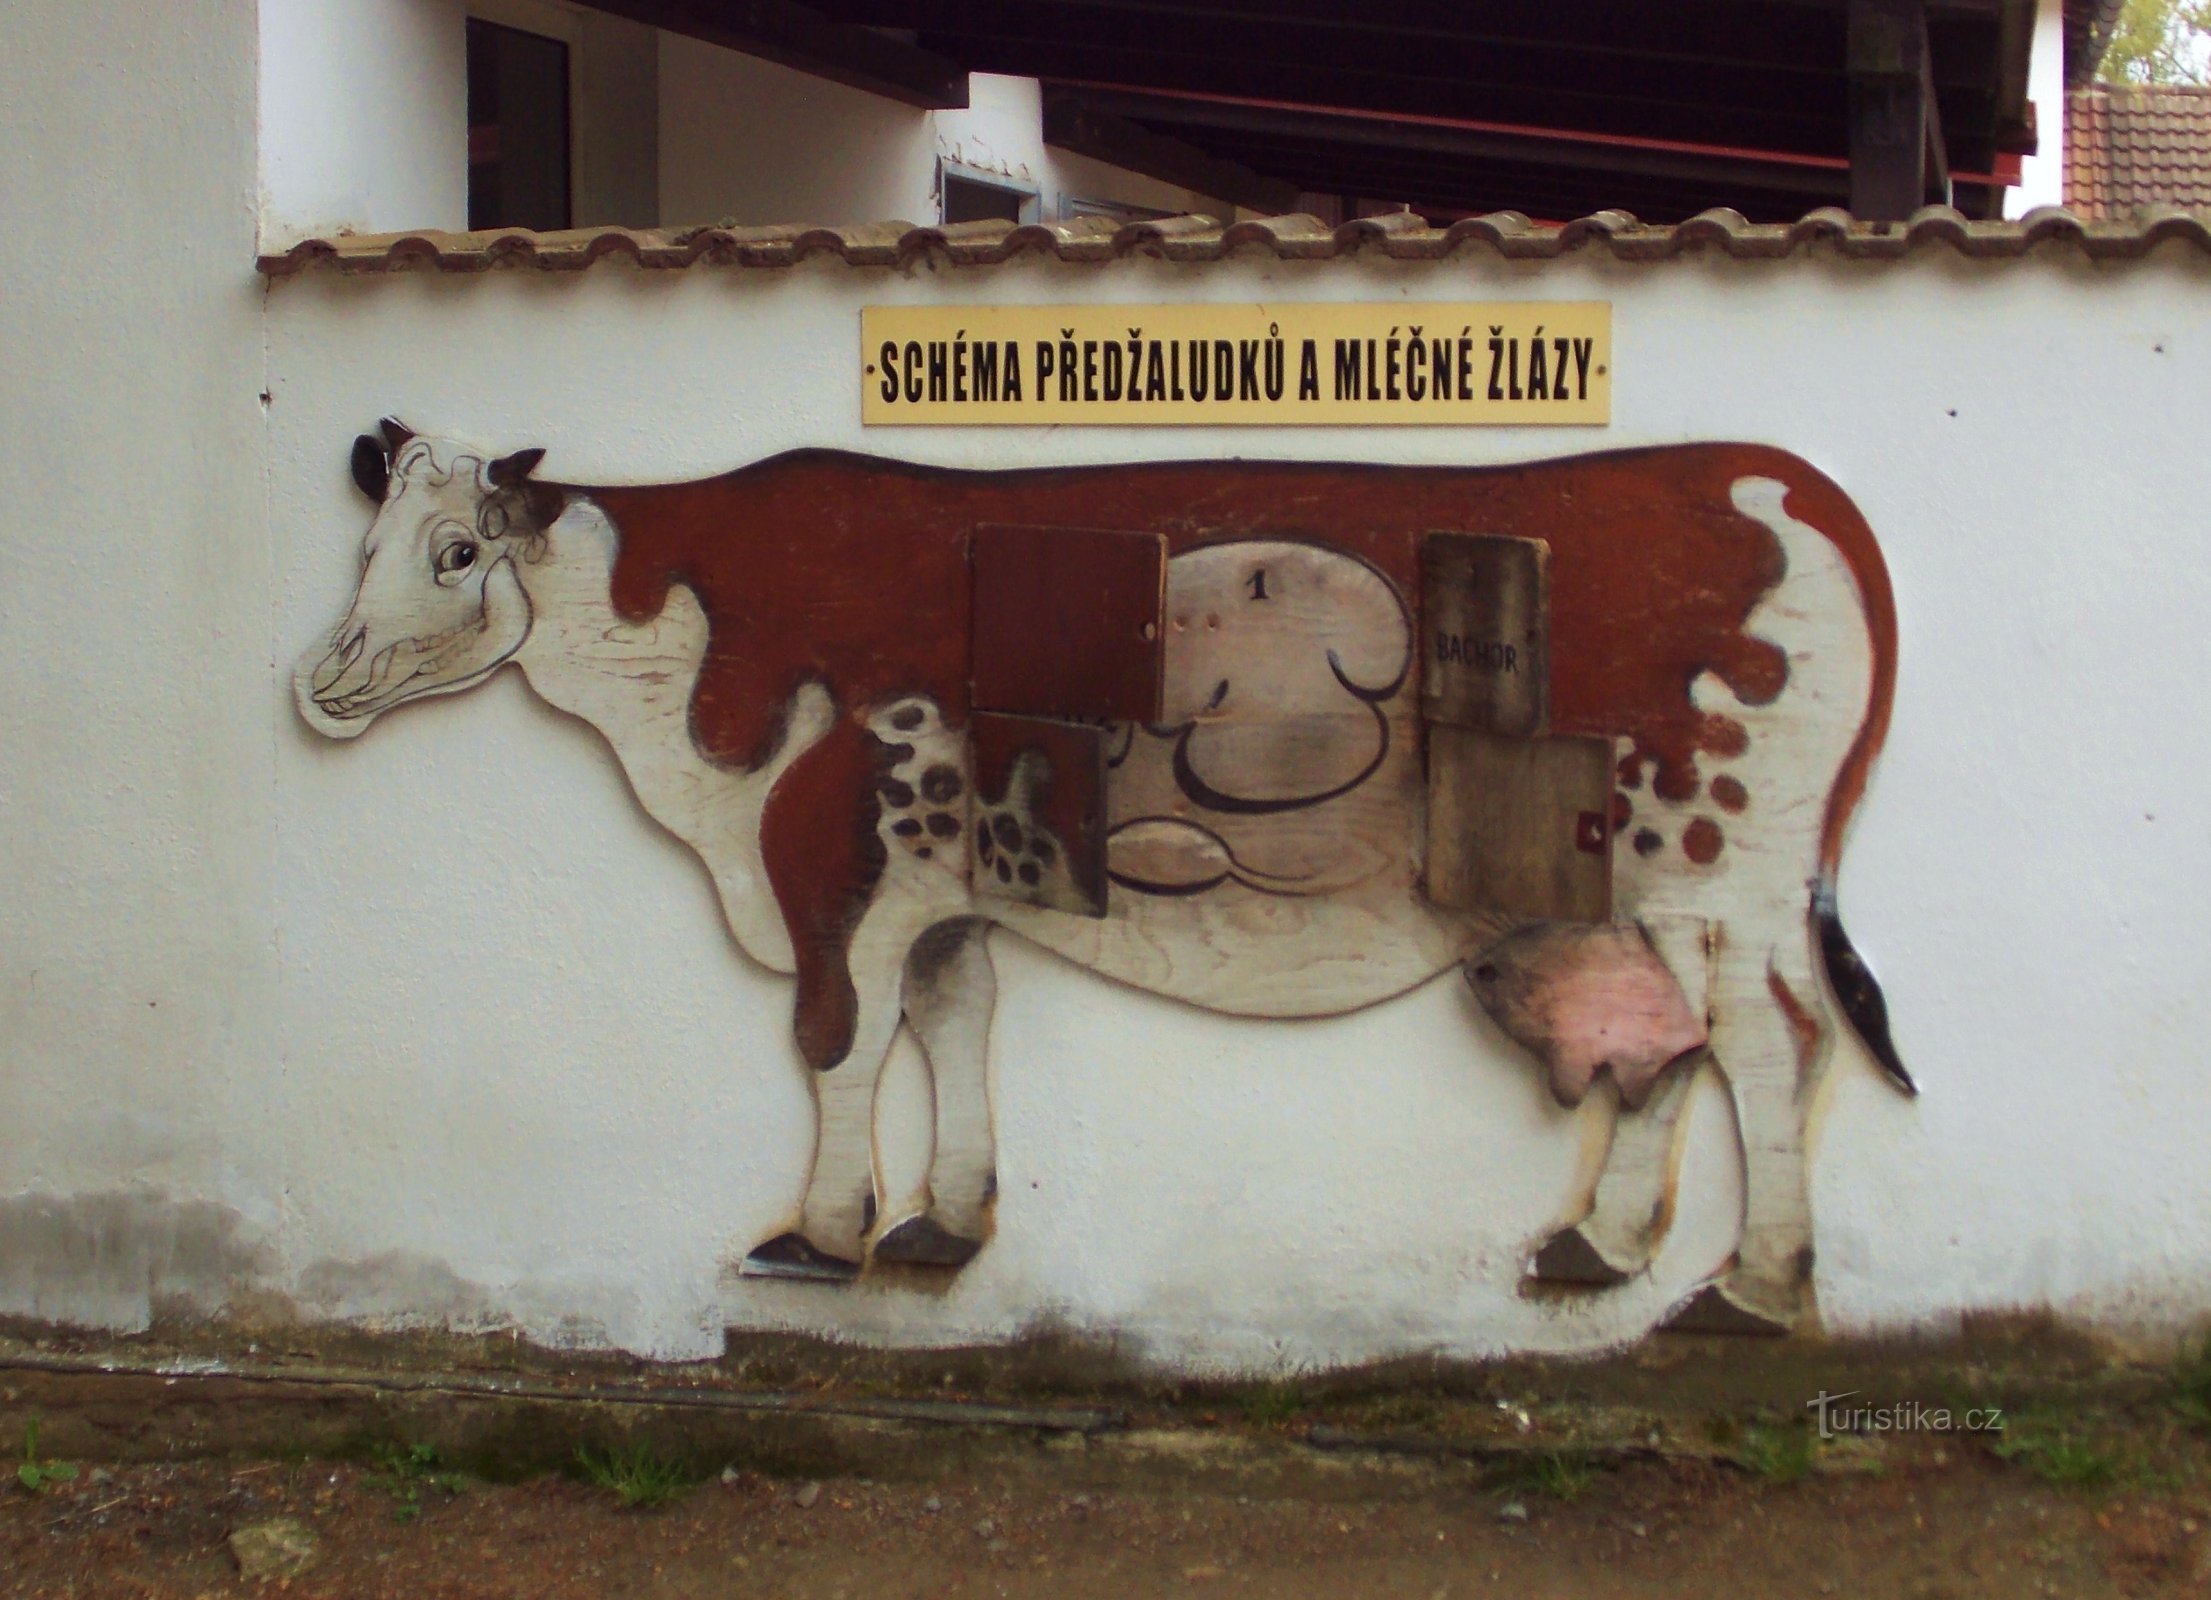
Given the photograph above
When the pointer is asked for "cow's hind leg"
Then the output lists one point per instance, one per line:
(1634, 1195)
(951, 992)
(1770, 1040)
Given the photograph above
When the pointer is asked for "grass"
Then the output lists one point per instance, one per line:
(1558, 1474)
(1776, 1454)
(636, 1476)
(34, 1474)
(1268, 1405)
(404, 1471)
(2059, 1457)
(2192, 1386)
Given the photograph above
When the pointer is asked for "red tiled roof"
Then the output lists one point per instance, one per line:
(1401, 235)
(2127, 148)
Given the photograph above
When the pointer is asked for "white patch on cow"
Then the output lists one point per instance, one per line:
(926, 791)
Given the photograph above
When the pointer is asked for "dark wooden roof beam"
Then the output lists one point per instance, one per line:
(1751, 35)
(1089, 131)
(1898, 160)
(1464, 139)
(802, 38)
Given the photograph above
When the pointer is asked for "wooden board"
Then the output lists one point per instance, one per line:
(1067, 622)
(1485, 632)
(1721, 645)
(1522, 826)
(1039, 832)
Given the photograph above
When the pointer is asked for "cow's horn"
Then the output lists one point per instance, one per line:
(508, 471)
(396, 433)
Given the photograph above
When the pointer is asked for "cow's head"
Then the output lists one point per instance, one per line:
(440, 606)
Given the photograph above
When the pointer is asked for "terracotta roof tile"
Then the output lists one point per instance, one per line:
(2130, 148)
(1403, 236)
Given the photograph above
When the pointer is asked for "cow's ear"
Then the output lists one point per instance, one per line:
(508, 471)
(396, 433)
(372, 468)
(541, 502)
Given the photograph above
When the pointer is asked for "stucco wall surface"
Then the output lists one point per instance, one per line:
(363, 115)
(137, 792)
(753, 142)
(526, 1078)
(437, 1027)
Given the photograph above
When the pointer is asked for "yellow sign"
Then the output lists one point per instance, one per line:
(1503, 363)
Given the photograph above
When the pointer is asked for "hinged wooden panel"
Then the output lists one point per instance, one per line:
(1039, 811)
(1522, 826)
(1067, 622)
(1485, 632)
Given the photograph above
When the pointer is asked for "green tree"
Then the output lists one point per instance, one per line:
(2160, 41)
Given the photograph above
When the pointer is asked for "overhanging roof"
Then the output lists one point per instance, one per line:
(1555, 108)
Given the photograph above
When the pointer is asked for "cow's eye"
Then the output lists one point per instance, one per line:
(456, 557)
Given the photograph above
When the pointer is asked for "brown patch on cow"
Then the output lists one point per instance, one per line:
(1631, 771)
(1729, 794)
(1723, 736)
(1701, 841)
(1677, 784)
(1622, 809)
(1804, 1025)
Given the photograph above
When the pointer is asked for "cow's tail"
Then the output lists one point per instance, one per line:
(1814, 498)
(1856, 989)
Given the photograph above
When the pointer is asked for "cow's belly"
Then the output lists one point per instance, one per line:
(1266, 864)
(1250, 953)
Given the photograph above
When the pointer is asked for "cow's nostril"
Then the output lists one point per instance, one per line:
(1486, 972)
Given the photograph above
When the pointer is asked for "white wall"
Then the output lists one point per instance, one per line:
(364, 117)
(522, 1055)
(746, 140)
(137, 924)
(437, 1027)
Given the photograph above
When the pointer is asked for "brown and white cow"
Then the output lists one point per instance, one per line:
(780, 657)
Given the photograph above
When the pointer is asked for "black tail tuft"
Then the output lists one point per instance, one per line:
(1857, 988)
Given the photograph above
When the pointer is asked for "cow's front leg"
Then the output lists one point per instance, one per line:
(1633, 1202)
(1770, 1039)
(951, 992)
(828, 1243)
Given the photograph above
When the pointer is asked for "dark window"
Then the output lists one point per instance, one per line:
(517, 128)
(966, 200)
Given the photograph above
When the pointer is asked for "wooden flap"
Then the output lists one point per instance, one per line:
(1485, 611)
(1522, 826)
(1067, 622)
(1040, 831)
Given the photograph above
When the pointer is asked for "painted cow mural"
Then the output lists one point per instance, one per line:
(789, 662)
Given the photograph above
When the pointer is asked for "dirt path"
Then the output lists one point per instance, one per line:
(1933, 1523)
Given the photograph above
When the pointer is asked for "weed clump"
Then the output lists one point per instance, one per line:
(637, 1476)
(405, 1471)
(35, 1473)
(1558, 1474)
(1776, 1454)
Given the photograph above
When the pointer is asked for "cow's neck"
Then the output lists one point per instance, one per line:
(633, 682)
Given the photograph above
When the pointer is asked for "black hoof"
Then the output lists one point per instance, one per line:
(920, 1242)
(1713, 1309)
(788, 1255)
(1568, 1257)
